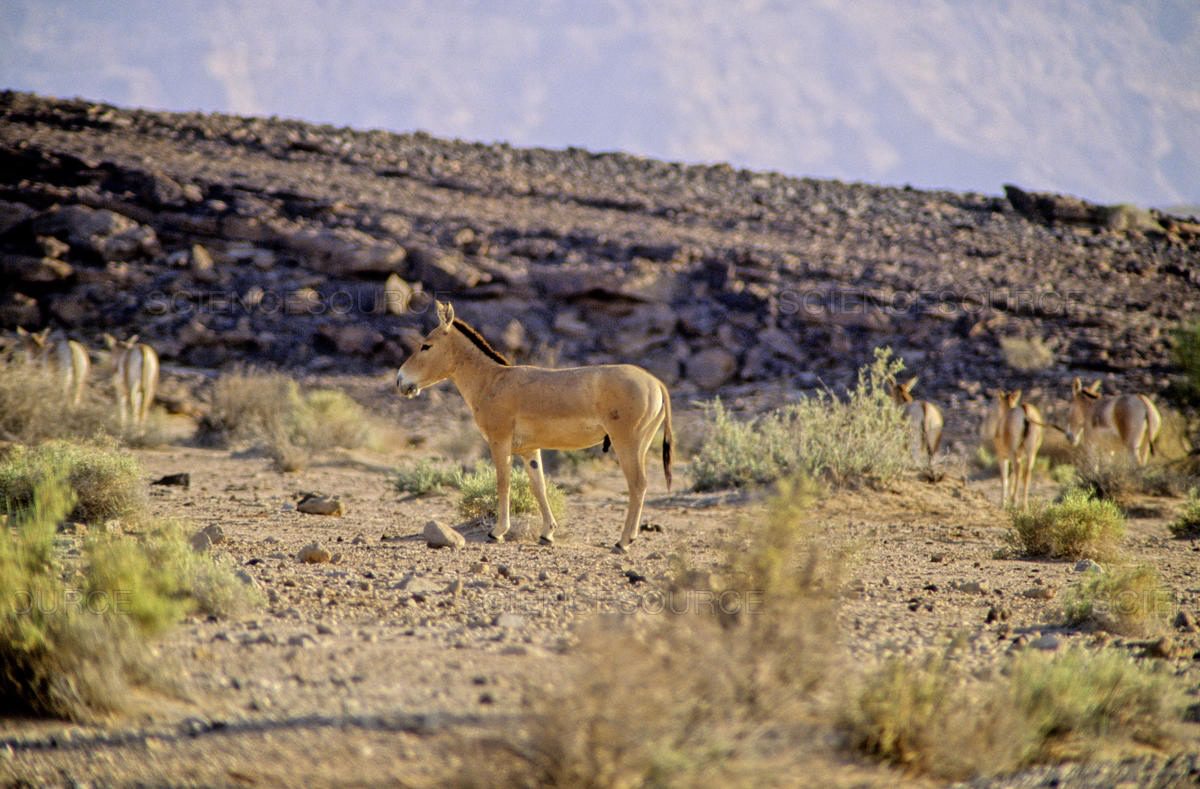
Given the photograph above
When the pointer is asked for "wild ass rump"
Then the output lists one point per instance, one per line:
(521, 410)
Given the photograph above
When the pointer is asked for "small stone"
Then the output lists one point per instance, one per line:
(201, 542)
(937, 557)
(317, 504)
(1088, 566)
(455, 587)
(313, 553)
(974, 587)
(1166, 647)
(1185, 621)
(509, 621)
(1047, 642)
(439, 536)
(1038, 593)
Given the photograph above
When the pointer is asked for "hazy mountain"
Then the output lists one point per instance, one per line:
(1101, 99)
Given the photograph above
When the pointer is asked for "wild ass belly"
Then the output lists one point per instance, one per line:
(530, 433)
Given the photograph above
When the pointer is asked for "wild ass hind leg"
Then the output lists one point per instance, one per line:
(1004, 467)
(537, 481)
(633, 463)
(502, 460)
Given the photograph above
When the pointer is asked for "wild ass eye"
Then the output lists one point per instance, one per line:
(425, 347)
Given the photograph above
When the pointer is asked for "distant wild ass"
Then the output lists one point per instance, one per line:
(135, 377)
(924, 417)
(1018, 436)
(1131, 420)
(521, 410)
(67, 358)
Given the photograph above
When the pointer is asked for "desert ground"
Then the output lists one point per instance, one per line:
(384, 665)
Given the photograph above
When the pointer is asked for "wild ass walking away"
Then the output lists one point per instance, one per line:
(1018, 436)
(135, 376)
(67, 357)
(522, 410)
(1130, 419)
(924, 416)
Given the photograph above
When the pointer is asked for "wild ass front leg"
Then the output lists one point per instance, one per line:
(537, 481)
(502, 460)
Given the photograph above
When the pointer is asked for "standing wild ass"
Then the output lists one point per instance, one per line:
(522, 410)
(66, 357)
(1130, 419)
(135, 376)
(1018, 436)
(924, 416)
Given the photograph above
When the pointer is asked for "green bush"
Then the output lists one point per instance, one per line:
(271, 409)
(106, 482)
(1130, 600)
(1078, 527)
(1187, 525)
(73, 625)
(478, 494)
(932, 717)
(1186, 349)
(861, 439)
(427, 477)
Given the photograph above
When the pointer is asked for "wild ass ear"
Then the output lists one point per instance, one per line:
(911, 383)
(132, 340)
(1095, 387)
(110, 340)
(1076, 385)
(445, 313)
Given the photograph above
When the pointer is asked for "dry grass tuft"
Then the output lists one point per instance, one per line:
(33, 407)
(1127, 600)
(1078, 527)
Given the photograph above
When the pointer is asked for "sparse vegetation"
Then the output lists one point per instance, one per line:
(271, 409)
(929, 716)
(478, 494)
(638, 710)
(34, 408)
(1185, 347)
(861, 439)
(73, 631)
(1026, 354)
(426, 477)
(1127, 600)
(1077, 527)
(105, 481)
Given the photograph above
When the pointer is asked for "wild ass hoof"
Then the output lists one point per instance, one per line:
(495, 537)
(619, 548)
(545, 540)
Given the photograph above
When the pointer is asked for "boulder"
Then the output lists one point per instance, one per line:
(314, 553)
(710, 368)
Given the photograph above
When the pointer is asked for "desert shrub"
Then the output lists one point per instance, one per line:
(73, 626)
(105, 481)
(1026, 354)
(861, 439)
(930, 716)
(478, 494)
(1185, 347)
(269, 408)
(678, 693)
(1187, 525)
(33, 407)
(1129, 600)
(427, 477)
(1077, 527)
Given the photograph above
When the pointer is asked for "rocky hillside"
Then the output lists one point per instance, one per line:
(227, 240)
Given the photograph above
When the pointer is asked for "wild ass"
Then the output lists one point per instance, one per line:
(1130, 419)
(66, 357)
(924, 416)
(135, 377)
(521, 410)
(1018, 436)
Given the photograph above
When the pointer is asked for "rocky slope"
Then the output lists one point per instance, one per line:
(226, 239)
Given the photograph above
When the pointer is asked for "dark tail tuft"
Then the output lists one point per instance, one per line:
(607, 443)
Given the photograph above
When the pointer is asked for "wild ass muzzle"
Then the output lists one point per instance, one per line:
(924, 417)
(521, 410)
(135, 377)
(66, 357)
(1132, 420)
(1018, 436)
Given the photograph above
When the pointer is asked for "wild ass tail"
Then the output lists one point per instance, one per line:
(667, 435)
